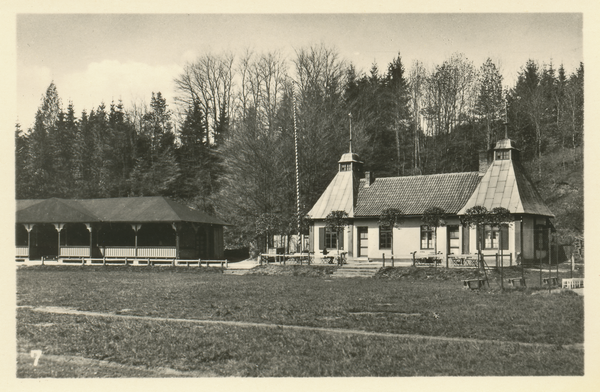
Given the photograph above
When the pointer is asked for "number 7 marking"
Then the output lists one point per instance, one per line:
(36, 354)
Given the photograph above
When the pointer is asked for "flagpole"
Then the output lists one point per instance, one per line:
(297, 173)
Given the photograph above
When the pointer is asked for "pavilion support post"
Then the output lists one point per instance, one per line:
(177, 229)
(207, 236)
(89, 227)
(29, 227)
(58, 227)
(196, 245)
(136, 227)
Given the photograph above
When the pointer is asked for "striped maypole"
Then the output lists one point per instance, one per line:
(297, 173)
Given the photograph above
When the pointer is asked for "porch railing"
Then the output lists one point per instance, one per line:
(142, 252)
(167, 251)
(22, 251)
(117, 251)
(74, 251)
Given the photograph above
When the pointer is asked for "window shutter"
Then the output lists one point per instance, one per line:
(341, 239)
(478, 238)
(311, 239)
(321, 237)
(504, 237)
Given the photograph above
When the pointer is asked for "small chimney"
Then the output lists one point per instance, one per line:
(369, 177)
(484, 162)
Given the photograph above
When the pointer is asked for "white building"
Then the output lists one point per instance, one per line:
(500, 182)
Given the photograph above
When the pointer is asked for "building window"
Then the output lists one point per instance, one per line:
(385, 237)
(491, 237)
(541, 240)
(502, 155)
(453, 239)
(345, 166)
(427, 237)
(330, 239)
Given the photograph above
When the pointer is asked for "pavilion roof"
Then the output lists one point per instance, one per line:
(122, 209)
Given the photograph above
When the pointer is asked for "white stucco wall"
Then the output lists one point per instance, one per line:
(318, 248)
(407, 239)
(490, 252)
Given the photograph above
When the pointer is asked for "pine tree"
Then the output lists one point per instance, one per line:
(61, 141)
(38, 175)
(398, 96)
(21, 175)
(530, 106)
(156, 170)
(83, 147)
(196, 161)
(100, 160)
(121, 155)
(490, 103)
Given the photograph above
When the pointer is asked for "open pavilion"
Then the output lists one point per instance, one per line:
(127, 227)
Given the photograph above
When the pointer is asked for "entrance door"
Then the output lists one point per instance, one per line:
(453, 240)
(363, 241)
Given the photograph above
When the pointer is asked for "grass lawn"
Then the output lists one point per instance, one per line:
(422, 306)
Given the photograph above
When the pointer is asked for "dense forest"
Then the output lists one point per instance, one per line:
(226, 145)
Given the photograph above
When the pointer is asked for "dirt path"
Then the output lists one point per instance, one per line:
(69, 366)
(70, 311)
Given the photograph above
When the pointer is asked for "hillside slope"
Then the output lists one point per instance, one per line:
(561, 186)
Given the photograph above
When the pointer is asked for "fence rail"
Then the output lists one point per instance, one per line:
(139, 261)
(573, 283)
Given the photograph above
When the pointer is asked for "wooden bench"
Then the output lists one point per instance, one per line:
(473, 283)
(550, 281)
(516, 282)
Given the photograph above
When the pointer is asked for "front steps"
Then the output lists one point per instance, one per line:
(357, 268)
(240, 268)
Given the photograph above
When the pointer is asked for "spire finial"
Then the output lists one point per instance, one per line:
(350, 117)
(506, 115)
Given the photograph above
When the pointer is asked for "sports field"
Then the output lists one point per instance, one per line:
(197, 322)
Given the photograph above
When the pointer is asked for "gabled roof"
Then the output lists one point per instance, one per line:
(122, 209)
(413, 194)
(505, 184)
(338, 196)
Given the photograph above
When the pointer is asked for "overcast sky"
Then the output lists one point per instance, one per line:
(104, 57)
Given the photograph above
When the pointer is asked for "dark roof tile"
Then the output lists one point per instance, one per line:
(412, 195)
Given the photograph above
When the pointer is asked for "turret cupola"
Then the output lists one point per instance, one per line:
(349, 162)
(506, 150)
